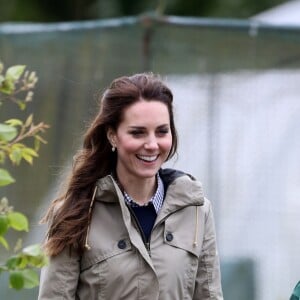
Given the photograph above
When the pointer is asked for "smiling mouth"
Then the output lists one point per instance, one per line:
(147, 158)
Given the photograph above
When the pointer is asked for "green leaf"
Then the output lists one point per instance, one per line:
(2, 268)
(16, 156)
(33, 250)
(4, 243)
(1, 79)
(28, 158)
(7, 132)
(13, 262)
(7, 87)
(38, 261)
(16, 280)
(18, 245)
(35, 255)
(21, 104)
(2, 157)
(5, 178)
(28, 122)
(30, 151)
(28, 154)
(23, 262)
(3, 224)
(18, 221)
(31, 278)
(40, 139)
(15, 72)
(14, 122)
(37, 144)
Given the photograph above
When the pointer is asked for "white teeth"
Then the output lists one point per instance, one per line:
(147, 158)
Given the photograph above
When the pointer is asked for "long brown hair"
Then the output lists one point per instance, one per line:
(68, 214)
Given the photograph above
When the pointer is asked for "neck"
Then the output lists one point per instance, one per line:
(139, 189)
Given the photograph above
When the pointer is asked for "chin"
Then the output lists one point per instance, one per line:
(147, 174)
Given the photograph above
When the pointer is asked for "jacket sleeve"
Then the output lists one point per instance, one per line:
(59, 278)
(208, 281)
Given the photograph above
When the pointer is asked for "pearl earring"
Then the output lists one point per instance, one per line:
(113, 148)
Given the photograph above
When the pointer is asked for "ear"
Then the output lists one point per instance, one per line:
(111, 136)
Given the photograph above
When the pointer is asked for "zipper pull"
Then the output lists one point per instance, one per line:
(148, 248)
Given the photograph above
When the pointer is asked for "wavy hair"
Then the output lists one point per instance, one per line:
(68, 215)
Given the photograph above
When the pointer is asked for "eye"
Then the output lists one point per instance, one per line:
(162, 131)
(136, 133)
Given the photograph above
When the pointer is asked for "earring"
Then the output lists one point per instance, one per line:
(113, 148)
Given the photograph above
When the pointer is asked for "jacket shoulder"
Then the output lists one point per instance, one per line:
(168, 175)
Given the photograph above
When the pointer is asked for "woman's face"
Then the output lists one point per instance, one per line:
(143, 140)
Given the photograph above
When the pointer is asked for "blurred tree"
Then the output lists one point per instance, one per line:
(46, 10)
(192, 7)
(242, 8)
(18, 10)
(70, 10)
(67, 9)
(16, 86)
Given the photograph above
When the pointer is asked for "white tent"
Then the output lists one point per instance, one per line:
(256, 162)
(255, 167)
(287, 14)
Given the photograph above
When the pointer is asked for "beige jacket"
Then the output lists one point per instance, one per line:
(181, 262)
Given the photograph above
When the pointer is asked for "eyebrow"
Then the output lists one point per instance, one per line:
(143, 127)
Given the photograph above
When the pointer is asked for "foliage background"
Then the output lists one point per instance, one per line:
(16, 86)
(70, 10)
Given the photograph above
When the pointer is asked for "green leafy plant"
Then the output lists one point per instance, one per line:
(16, 86)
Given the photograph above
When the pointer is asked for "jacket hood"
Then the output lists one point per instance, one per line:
(183, 189)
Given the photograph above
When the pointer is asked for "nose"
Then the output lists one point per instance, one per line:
(151, 143)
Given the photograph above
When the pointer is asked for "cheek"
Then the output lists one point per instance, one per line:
(128, 145)
(166, 145)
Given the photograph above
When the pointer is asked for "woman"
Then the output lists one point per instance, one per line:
(296, 292)
(125, 228)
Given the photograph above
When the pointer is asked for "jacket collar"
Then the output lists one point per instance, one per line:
(181, 190)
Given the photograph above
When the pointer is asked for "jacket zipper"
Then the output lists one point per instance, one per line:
(138, 225)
